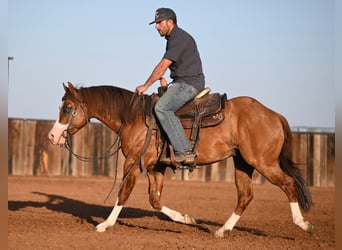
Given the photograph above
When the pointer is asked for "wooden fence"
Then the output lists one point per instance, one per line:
(30, 153)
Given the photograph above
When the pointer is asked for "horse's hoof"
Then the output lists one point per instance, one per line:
(219, 234)
(310, 228)
(189, 220)
(101, 228)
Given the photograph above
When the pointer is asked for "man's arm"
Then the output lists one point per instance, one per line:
(156, 74)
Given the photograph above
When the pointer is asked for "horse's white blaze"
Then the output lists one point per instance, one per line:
(229, 225)
(55, 134)
(110, 221)
(298, 218)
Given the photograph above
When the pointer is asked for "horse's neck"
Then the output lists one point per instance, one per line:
(110, 109)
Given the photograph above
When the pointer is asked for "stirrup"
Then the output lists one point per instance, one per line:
(203, 93)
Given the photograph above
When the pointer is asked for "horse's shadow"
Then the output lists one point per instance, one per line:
(85, 212)
(79, 209)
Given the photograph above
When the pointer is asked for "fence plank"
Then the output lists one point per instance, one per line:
(331, 160)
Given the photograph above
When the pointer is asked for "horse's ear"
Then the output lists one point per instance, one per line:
(71, 87)
(65, 87)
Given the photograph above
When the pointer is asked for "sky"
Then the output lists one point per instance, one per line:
(280, 52)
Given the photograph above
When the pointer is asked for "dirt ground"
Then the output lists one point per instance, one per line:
(61, 213)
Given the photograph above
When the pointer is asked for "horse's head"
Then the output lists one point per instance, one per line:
(72, 116)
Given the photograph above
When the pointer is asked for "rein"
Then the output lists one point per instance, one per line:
(105, 155)
(141, 158)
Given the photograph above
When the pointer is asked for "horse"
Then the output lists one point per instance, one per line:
(257, 138)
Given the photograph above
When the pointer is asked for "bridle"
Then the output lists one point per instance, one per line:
(68, 138)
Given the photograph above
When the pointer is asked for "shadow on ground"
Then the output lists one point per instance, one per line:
(85, 212)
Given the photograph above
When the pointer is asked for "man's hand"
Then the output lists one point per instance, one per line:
(163, 81)
(141, 89)
(157, 74)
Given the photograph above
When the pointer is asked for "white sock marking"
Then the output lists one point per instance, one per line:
(173, 215)
(229, 225)
(297, 216)
(110, 221)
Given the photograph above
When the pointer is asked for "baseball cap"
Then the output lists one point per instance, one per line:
(163, 14)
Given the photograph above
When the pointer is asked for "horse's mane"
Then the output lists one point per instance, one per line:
(115, 101)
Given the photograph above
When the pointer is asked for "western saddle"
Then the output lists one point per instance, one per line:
(205, 110)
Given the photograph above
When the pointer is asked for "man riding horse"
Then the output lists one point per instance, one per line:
(183, 60)
(257, 137)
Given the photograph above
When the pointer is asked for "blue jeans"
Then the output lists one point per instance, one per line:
(175, 97)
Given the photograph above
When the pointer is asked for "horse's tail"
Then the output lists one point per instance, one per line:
(292, 169)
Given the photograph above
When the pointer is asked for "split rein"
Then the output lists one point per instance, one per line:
(106, 154)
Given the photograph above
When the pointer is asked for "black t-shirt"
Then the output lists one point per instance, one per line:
(182, 50)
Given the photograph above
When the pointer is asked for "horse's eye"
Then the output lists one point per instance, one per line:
(67, 109)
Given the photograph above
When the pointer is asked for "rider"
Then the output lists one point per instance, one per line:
(183, 60)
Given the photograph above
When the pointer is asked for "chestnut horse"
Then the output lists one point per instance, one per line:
(256, 137)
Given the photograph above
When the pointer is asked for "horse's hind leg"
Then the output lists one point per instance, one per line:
(243, 183)
(156, 180)
(155, 188)
(124, 192)
(291, 188)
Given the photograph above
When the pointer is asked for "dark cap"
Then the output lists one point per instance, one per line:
(163, 14)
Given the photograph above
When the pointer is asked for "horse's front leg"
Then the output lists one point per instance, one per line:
(110, 221)
(156, 180)
(124, 192)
